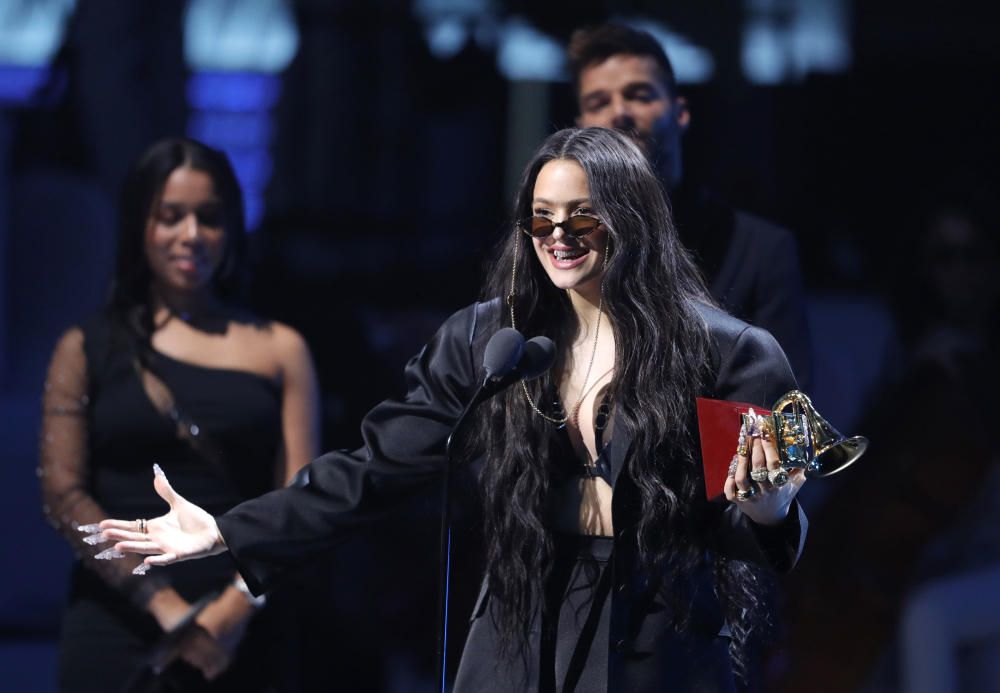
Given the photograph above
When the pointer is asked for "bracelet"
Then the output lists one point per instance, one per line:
(256, 602)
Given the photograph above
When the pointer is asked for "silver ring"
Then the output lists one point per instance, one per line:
(742, 495)
(778, 477)
(759, 474)
(732, 466)
(142, 525)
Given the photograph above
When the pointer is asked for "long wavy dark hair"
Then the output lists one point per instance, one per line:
(129, 304)
(651, 289)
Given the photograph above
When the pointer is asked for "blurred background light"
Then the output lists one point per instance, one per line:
(244, 35)
(236, 50)
(446, 36)
(232, 91)
(449, 24)
(785, 40)
(31, 32)
(526, 53)
(692, 63)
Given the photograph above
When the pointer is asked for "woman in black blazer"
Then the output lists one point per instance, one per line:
(607, 569)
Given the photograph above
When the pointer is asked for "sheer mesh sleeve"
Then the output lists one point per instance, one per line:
(63, 468)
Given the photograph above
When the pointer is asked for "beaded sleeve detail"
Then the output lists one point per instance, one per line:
(63, 466)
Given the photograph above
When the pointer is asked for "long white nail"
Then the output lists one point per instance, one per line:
(95, 539)
(89, 529)
(157, 471)
(108, 554)
(141, 569)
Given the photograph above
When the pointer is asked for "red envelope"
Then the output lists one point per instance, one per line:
(719, 426)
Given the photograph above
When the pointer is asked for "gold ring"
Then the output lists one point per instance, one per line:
(742, 495)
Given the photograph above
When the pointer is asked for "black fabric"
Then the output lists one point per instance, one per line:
(106, 646)
(571, 639)
(238, 410)
(578, 593)
(240, 413)
(404, 447)
(751, 266)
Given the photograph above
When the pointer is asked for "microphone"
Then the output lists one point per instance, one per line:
(539, 355)
(530, 359)
(503, 352)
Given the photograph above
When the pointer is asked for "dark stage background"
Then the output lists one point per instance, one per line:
(378, 143)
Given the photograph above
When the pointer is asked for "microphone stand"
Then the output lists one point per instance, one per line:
(444, 576)
(508, 359)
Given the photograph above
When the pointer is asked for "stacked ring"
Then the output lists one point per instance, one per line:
(778, 477)
(142, 526)
(742, 495)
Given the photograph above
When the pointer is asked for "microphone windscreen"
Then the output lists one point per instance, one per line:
(539, 355)
(503, 352)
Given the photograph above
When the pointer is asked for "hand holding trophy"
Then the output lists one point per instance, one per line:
(790, 443)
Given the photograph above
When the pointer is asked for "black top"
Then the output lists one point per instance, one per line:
(234, 414)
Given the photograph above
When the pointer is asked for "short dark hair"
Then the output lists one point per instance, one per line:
(592, 45)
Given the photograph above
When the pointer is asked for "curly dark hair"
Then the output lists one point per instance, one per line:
(662, 361)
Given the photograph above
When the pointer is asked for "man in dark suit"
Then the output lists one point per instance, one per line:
(623, 79)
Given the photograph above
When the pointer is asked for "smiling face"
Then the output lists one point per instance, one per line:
(185, 233)
(573, 264)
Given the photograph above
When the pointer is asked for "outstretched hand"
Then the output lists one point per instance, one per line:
(184, 533)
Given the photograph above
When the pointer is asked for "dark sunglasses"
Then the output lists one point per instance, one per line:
(575, 226)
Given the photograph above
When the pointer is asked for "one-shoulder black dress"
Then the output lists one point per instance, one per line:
(101, 437)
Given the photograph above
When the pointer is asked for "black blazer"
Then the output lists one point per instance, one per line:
(404, 445)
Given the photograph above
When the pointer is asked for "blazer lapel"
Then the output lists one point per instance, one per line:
(618, 450)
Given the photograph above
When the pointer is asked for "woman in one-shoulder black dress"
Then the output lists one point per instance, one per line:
(170, 372)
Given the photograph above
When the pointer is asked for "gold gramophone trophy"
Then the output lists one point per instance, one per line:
(804, 439)
(807, 441)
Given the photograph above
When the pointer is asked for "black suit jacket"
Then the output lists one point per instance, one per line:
(404, 446)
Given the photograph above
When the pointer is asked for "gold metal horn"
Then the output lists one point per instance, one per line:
(807, 441)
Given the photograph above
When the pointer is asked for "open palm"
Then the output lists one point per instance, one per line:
(184, 533)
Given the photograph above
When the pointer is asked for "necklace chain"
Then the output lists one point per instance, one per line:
(575, 413)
